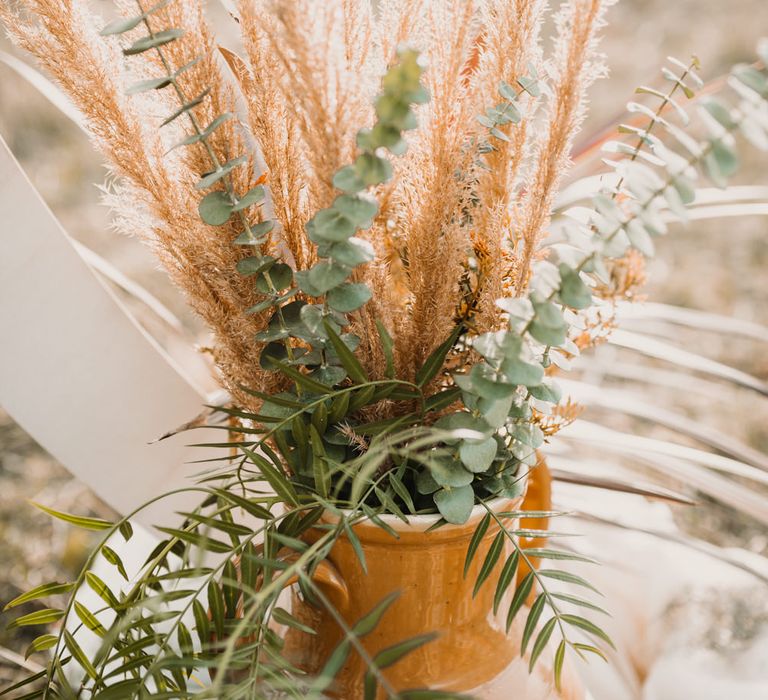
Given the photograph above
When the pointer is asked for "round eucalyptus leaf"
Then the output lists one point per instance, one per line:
(322, 277)
(455, 505)
(617, 244)
(518, 372)
(490, 385)
(478, 456)
(276, 278)
(329, 375)
(273, 352)
(546, 392)
(548, 325)
(495, 411)
(255, 264)
(448, 471)
(347, 180)
(462, 420)
(640, 238)
(312, 318)
(352, 252)
(425, 483)
(215, 208)
(357, 208)
(331, 225)
(573, 291)
(349, 296)
(372, 169)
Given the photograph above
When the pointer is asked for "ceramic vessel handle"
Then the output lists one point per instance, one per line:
(326, 576)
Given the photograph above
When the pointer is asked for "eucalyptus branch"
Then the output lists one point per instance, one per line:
(227, 179)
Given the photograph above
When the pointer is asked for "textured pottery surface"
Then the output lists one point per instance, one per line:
(472, 652)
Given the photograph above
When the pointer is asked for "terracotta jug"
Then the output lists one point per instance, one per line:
(472, 652)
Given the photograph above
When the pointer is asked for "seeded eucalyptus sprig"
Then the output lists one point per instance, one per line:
(333, 231)
(219, 206)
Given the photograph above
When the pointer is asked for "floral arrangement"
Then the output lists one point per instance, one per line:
(379, 240)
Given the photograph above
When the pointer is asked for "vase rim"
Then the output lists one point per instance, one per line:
(415, 530)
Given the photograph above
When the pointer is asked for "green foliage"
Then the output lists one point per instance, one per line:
(205, 597)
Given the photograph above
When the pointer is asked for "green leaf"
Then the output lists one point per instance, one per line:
(449, 471)
(505, 579)
(347, 180)
(587, 626)
(357, 208)
(279, 482)
(102, 590)
(391, 655)
(533, 619)
(477, 538)
(455, 504)
(387, 346)
(490, 561)
(567, 577)
(322, 277)
(302, 380)
(39, 617)
(146, 85)
(426, 484)
(213, 177)
(255, 264)
(79, 655)
(581, 602)
(276, 278)
(541, 641)
(428, 371)
(215, 208)
(256, 234)
(217, 608)
(558, 665)
(283, 617)
(478, 456)
(719, 112)
(250, 198)
(186, 107)
(330, 225)
(89, 619)
(80, 521)
(112, 557)
(41, 643)
(367, 623)
(126, 530)
(592, 649)
(521, 595)
(122, 25)
(347, 357)
(401, 490)
(517, 371)
(202, 624)
(558, 554)
(196, 539)
(548, 325)
(370, 686)
(38, 592)
(153, 42)
(219, 523)
(246, 504)
(530, 85)
(573, 291)
(349, 296)
(351, 253)
(372, 169)
(639, 237)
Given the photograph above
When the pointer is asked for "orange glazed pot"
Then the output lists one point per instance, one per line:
(472, 648)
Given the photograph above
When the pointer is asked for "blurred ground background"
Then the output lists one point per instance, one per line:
(718, 267)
